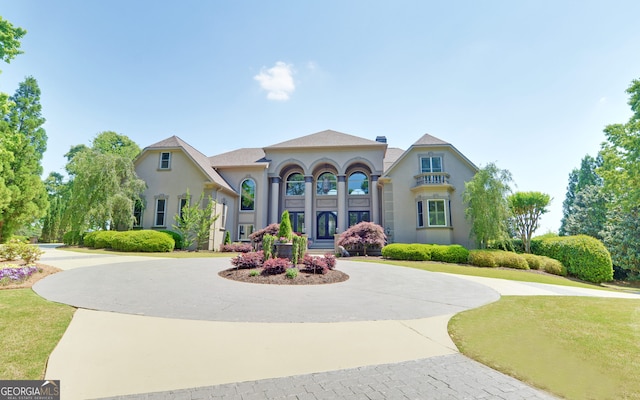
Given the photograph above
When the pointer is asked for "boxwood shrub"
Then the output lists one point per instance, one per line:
(497, 258)
(104, 239)
(584, 257)
(403, 251)
(145, 241)
(483, 258)
(177, 238)
(450, 254)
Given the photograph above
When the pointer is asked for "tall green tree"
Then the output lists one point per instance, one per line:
(110, 142)
(588, 214)
(56, 221)
(527, 208)
(487, 207)
(621, 173)
(579, 179)
(104, 186)
(22, 135)
(10, 40)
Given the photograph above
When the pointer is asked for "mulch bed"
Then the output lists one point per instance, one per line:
(43, 271)
(303, 278)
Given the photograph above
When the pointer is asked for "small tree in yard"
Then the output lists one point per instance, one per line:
(285, 230)
(194, 223)
(527, 208)
(364, 234)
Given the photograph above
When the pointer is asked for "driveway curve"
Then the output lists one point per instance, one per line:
(192, 289)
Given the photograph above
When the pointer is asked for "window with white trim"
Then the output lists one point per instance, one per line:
(138, 209)
(165, 160)
(181, 205)
(161, 211)
(244, 230)
(437, 212)
(430, 164)
(420, 213)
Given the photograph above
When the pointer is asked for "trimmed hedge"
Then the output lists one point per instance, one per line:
(142, 241)
(584, 257)
(545, 264)
(497, 258)
(426, 252)
(176, 238)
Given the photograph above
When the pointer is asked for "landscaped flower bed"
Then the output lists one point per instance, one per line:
(11, 274)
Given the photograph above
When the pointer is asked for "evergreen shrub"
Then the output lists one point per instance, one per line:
(583, 256)
(454, 253)
(482, 258)
(141, 241)
(410, 252)
(177, 238)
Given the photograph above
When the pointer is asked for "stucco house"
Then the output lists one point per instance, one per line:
(327, 181)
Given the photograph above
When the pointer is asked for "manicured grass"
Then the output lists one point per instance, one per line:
(30, 328)
(172, 254)
(575, 347)
(513, 275)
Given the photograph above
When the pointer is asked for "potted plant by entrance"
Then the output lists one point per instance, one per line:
(284, 241)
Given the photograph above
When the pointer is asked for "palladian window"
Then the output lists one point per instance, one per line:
(358, 184)
(327, 184)
(295, 184)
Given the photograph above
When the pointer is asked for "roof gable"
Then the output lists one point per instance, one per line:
(198, 158)
(428, 140)
(326, 138)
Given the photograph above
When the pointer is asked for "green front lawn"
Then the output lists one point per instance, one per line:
(30, 328)
(170, 254)
(509, 274)
(574, 347)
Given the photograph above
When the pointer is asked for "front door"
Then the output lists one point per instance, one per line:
(327, 221)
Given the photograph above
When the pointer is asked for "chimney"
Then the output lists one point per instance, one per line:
(381, 139)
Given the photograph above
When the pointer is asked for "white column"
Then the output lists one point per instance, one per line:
(275, 199)
(375, 200)
(342, 203)
(308, 206)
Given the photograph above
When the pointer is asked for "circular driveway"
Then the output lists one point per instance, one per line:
(192, 289)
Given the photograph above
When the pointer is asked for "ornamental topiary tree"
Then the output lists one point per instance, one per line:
(364, 235)
(285, 230)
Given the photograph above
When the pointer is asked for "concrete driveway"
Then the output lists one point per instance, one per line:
(173, 326)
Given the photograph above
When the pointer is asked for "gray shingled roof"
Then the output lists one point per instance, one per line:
(428, 140)
(200, 159)
(326, 138)
(239, 158)
(392, 154)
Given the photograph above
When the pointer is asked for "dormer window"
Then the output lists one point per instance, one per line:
(430, 164)
(165, 160)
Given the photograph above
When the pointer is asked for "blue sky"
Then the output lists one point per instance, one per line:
(528, 85)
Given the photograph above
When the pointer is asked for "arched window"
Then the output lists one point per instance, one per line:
(248, 195)
(358, 183)
(327, 184)
(295, 184)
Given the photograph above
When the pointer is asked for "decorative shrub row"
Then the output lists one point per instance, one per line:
(273, 266)
(142, 241)
(426, 252)
(17, 248)
(584, 257)
(236, 248)
(509, 259)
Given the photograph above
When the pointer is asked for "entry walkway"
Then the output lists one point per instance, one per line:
(172, 328)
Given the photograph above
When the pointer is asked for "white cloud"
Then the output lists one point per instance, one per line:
(277, 81)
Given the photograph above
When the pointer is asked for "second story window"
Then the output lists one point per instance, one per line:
(295, 184)
(430, 164)
(248, 195)
(327, 184)
(165, 160)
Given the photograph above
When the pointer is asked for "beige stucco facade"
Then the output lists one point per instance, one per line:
(327, 181)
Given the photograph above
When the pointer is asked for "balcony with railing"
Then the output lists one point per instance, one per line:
(432, 179)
